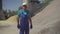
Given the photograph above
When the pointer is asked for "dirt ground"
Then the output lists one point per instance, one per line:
(45, 22)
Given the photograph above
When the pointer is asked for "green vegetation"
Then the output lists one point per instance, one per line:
(47, 1)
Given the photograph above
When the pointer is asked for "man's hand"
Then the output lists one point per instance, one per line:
(31, 26)
(18, 26)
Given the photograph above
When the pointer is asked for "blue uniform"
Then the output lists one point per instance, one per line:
(24, 23)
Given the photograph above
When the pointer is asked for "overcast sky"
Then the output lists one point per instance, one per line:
(11, 4)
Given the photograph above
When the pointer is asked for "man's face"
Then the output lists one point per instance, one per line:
(24, 7)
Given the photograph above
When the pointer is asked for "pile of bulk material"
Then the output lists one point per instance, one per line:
(9, 21)
(12, 19)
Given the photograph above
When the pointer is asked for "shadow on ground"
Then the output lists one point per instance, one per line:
(6, 26)
(55, 29)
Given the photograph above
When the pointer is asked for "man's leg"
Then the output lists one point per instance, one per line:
(21, 31)
(27, 31)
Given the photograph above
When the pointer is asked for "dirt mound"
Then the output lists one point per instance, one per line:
(12, 19)
(9, 21)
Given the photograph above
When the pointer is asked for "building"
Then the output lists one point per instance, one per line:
(1, 11)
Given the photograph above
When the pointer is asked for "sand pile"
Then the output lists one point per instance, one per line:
(9, 21)
(12, 19)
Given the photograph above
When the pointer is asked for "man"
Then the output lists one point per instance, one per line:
(24, 18)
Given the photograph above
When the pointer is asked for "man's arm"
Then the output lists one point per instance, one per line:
(30, 22)
(17, 20)
(18, 25)
(18, 17)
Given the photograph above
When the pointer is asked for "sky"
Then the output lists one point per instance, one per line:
(11, 4)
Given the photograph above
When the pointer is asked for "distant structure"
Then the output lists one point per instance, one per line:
(0, 4)
(1, 12)
(27, 1)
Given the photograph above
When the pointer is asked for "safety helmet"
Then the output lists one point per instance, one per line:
(24, 4)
